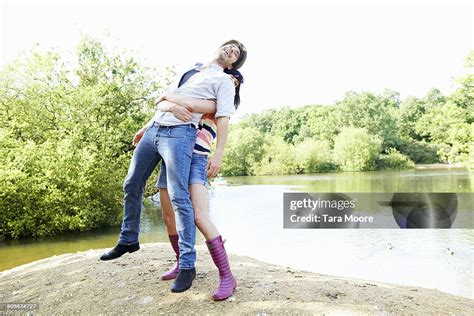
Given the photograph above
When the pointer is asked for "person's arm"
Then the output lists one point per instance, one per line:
(214, 164)
(180, 112)
(225, 108)
(138, 136)
(193, 105)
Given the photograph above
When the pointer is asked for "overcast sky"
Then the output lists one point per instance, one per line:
(298, 53)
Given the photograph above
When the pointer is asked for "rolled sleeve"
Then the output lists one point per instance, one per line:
(225, 99)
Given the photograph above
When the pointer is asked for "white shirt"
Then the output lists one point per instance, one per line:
(210, 83)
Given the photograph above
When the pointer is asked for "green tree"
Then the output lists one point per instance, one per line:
(464, 95)
(420, 151)
(313, 156)
(244, 149)
(278, 158)
(376, 113)
(448, 127)
(287, 123)
(65, 138)
(263, 121)
(356, 150)
(322, 123)
(394, 160)
(411, 110)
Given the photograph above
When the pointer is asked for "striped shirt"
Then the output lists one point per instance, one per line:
(206, 133)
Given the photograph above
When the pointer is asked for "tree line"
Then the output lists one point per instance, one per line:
(364, 131)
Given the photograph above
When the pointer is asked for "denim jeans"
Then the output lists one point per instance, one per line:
(174, 145)
(197, 174)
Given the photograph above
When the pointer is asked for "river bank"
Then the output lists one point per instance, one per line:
(440, 166)
(80, 283)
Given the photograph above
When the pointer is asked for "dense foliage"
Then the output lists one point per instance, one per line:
(356, 150)
(65, 135)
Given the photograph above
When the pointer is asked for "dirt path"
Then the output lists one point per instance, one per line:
(80, 283)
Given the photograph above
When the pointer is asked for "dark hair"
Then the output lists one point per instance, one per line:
(237, 75)
(243, 53)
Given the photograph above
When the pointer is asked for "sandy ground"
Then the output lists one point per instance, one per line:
(82, 284)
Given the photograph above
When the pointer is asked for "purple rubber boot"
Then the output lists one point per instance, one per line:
(171, 274)
(227, 282)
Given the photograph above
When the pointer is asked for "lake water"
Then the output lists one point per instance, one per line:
(248, 213)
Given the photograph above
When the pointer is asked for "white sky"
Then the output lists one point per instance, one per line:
(298, 53)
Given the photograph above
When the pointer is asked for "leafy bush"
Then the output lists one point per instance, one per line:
(420, 151)
(394, 160)
(448, 126)
(278, 158)
(376, 113)
(356, 150)
(244, 149)
(313, 156)
(65, 139)
(54, 187)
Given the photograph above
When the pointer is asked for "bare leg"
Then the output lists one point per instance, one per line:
(168, 212)
(201, 216)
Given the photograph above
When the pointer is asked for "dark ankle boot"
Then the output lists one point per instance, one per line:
(227, 282)
(171, 274)
(119, 250)
(184, 280)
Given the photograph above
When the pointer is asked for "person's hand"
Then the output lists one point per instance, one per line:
(213, 166)
(160, 99)
(138, 136)
(181, 113)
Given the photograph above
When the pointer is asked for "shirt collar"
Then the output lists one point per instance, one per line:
(216, 67)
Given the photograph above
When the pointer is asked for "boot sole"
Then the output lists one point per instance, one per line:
(130, 251)
(224, 298)
(134, 250)
(168, 278)
(180, 291)
(183, 290)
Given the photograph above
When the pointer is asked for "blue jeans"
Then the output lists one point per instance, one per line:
(197, 174)
(174, 145)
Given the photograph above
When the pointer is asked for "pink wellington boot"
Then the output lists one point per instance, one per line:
(171, 274)
(227, 282)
